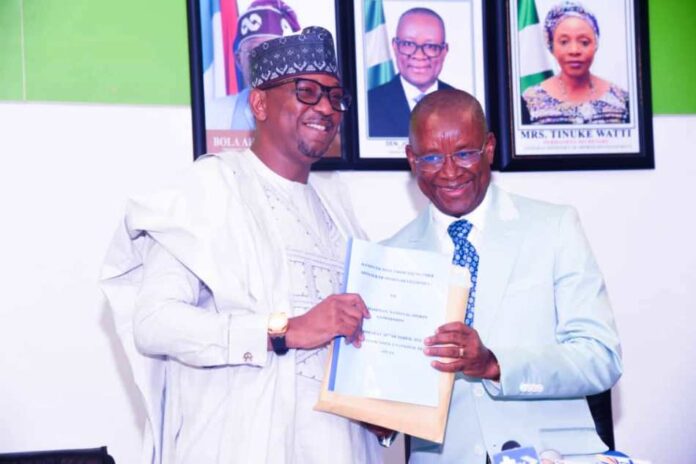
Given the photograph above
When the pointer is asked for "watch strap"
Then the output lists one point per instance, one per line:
(278, 344)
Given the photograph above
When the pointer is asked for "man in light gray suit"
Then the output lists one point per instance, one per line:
(539, 335)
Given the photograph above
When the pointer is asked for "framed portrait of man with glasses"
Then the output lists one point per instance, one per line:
(405, 50)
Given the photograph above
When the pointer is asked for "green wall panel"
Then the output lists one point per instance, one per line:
(112, 51)
(673, 55)
(135, 51)
(10, 50)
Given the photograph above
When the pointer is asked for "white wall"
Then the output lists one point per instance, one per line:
(68, 168)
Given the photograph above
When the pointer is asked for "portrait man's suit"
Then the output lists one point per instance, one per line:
(542, 309)
(388, 110)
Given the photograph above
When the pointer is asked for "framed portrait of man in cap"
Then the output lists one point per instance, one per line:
(576, 74)
(222, 35)
(405, 49)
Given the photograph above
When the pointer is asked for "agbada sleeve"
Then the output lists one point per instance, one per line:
(175, 316)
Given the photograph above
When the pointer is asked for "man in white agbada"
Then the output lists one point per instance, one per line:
(225, 287)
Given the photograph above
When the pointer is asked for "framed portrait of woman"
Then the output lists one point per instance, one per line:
(577, 77)
(221, 35)
(403, 50)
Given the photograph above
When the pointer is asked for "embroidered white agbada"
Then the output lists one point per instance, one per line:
(218, 396)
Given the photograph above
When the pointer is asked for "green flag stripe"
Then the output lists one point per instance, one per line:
(526, 14)
(533, 79)
(379, 74)
(374, 15)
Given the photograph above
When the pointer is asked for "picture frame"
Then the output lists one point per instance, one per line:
(465, 66)
(539, 130)
(221, 120)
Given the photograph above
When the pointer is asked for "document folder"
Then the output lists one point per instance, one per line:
(417, 420)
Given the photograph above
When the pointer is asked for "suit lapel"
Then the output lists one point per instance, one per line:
(399, 109)
(422, 234)
(499, 249)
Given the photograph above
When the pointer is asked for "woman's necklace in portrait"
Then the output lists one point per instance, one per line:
(564, 90)
(581, 111)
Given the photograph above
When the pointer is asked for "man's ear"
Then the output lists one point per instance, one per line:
(490, 148)
(258, 104)
(411, 158)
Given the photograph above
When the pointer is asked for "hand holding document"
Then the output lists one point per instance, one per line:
(389, 380)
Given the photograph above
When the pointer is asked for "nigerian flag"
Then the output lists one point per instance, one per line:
(380, 68)
(533, 58)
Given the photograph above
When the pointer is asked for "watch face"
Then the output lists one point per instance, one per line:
(277, 323)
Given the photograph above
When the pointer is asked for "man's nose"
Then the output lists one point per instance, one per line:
(323, 106)
(449, 167)
(420, 53)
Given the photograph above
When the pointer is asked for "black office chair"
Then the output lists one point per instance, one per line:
(600, 407)
(80, 456)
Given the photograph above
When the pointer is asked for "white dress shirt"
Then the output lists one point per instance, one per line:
(442, 221)
(413, 93)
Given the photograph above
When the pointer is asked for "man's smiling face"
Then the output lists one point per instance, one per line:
(418, 69)
(453, 189)
(305, 130)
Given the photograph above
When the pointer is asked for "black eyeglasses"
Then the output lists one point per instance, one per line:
(464, 158)
(309, 92)
(408, 47)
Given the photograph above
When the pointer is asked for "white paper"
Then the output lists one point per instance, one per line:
(406, 293)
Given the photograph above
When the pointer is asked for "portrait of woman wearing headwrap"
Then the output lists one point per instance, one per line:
(574, 95)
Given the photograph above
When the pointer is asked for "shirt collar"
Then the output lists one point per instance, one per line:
(412, 91)
(477, 218)
(273, 178)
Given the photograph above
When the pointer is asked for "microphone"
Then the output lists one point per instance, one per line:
(550, 456)
(618, 457)
(513, 453)
(510, 444)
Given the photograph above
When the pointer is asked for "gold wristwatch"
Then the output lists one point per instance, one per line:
(277, 327)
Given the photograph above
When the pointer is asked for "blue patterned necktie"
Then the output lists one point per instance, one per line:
(465, 255)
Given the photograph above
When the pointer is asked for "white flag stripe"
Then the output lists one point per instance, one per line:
(377, 50)
(219, 85)
(533, 55)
